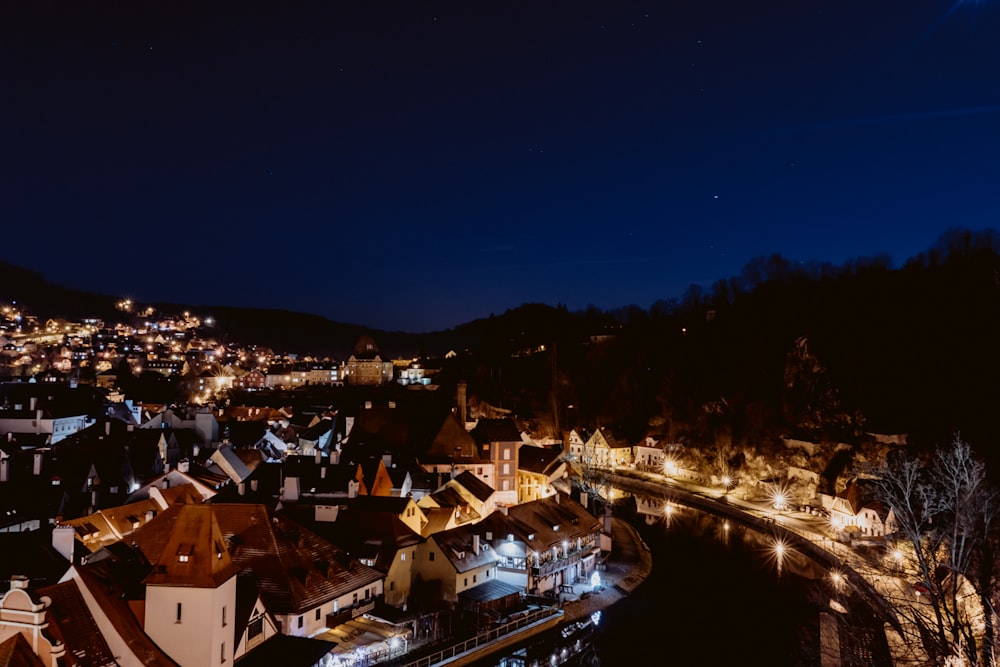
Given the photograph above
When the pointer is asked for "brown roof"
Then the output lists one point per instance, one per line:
(16, 652)
(479, 489)
(70, 620)
(539, 460)
(194, 553)
(552, 520)
(295, 569)
(107, 590)
(452, 442)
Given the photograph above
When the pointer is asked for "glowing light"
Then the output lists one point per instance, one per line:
(595, 579)
(726, 481)
(778, 552)
(670, 466)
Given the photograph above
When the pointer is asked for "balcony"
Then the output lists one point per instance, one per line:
(556, 564)
(341, 617)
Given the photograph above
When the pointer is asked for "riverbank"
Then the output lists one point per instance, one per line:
(625, 568)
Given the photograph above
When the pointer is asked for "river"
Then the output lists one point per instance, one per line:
(717, 595)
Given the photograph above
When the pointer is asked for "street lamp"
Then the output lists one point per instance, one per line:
(838, 580)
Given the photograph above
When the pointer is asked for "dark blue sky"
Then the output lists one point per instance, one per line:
(414, 165)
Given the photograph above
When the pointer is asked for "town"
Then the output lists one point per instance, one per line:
(348, 513)
(200, 533)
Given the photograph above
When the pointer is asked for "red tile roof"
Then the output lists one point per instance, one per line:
(295, 569)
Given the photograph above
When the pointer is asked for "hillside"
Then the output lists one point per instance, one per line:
(786, 349)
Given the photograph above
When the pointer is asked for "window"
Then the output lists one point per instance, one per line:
(432, 556)
(318, 612)
(402, 557)
(466, 582)
(506, 468)
(474, 578)
(300, 621)
(178, 613)
(223, 615)
(222, 652)
(256, 627)
(392, 585)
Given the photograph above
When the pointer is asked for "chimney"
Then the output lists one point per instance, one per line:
(557, 497)
(34, 402)
(460, 399)
(475, 544)
(335, 456)
(242, 488)
(583, 499)
(322, 472)
(63, 540)
(253, 485)
(130, 428)
(36, 468)
(107, 428)
(183, 465)
(319, 456)
(19, 581)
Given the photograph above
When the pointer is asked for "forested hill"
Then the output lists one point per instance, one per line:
(812, 351)
(802, 350)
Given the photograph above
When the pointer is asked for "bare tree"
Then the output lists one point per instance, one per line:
(944, 508)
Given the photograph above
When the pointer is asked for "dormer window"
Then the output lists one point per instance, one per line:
(184, 553)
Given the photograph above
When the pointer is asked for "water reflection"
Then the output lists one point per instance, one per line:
(718, 594)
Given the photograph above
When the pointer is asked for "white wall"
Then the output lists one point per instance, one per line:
(197, 639)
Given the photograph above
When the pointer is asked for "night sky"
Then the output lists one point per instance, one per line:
(415, 165)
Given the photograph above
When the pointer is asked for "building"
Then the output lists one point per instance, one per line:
(366, 366)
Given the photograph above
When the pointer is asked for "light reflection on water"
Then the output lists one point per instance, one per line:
(714, 597)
